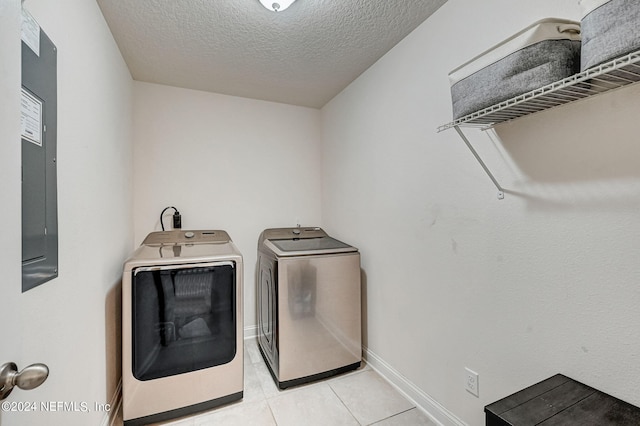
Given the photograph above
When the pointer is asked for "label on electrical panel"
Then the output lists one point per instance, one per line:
(31, 118)
(30, 32)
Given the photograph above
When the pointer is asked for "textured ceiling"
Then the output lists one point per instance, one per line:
(304, 55)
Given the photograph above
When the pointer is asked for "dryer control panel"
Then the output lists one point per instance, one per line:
(186, 237)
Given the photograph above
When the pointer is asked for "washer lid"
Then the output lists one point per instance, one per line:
(308, 246)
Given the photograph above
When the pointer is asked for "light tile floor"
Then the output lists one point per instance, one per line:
(358, 398)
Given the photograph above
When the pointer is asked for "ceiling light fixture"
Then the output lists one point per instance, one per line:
(276, 5)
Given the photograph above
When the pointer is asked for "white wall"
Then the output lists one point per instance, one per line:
(70, 323)
(544, 281)
(224, 162)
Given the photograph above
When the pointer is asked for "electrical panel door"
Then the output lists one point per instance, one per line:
(38, 139)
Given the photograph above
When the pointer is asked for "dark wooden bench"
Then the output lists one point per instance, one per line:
(561, 401)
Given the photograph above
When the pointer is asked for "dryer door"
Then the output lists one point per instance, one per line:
(183, 318)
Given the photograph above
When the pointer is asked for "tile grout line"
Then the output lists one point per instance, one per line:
(393, 415)
(273, 416)
(344, 405)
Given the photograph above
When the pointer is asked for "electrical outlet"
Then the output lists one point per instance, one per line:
(471, 381)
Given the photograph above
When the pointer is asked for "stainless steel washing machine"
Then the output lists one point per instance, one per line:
(182, 327)
(309, 307)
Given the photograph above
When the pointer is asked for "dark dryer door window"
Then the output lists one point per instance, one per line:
(184, 318)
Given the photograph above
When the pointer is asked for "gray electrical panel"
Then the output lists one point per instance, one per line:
(39, 176)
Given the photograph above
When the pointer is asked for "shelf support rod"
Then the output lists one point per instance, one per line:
(484, 166)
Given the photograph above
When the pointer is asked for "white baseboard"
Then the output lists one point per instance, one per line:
(250, 332)
(424, 402)
(116, 400)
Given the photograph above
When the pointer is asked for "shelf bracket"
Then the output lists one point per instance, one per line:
(484, 166)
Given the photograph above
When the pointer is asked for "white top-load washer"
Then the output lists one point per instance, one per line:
(309, 306)
(182, 325)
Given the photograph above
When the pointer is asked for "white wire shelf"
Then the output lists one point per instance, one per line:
(617, 73)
